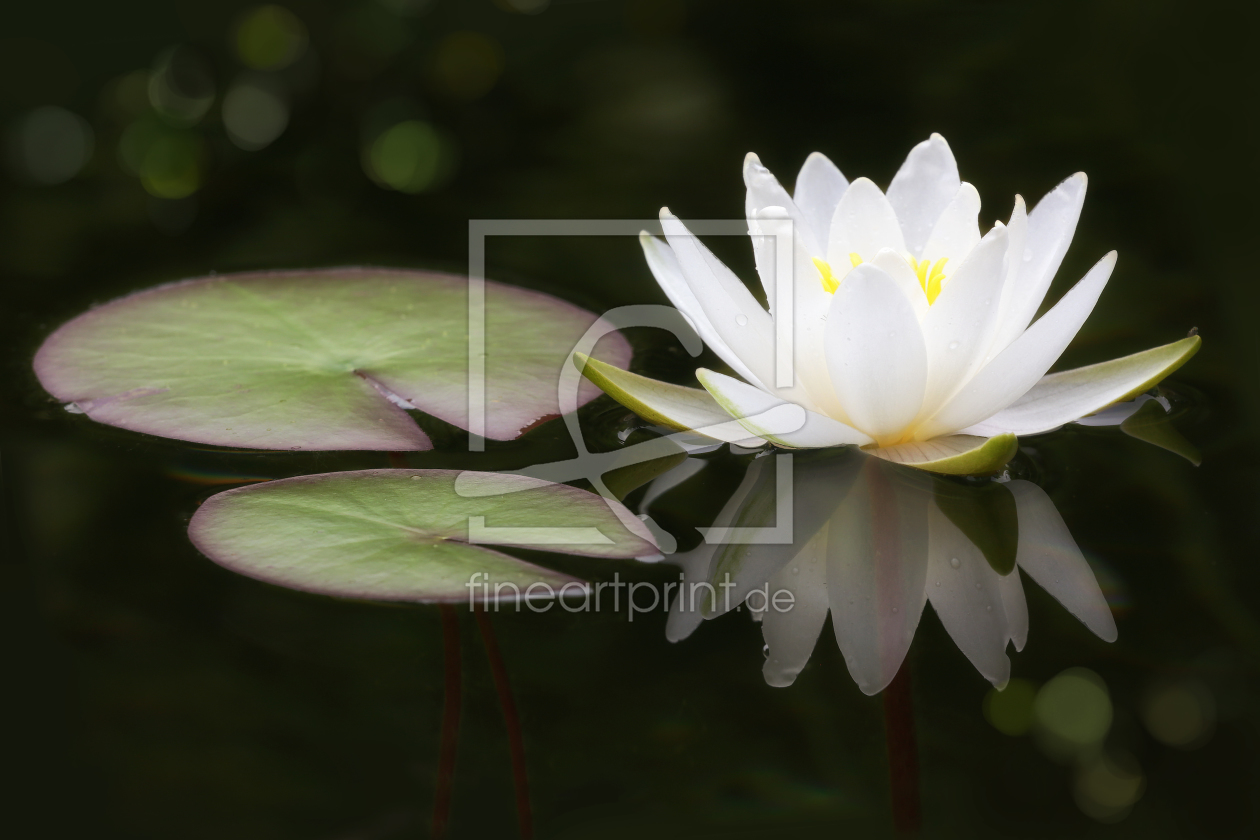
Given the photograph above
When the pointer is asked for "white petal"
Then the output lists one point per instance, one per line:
(864, 224)
(1017, 368)
(896, 267)
(685, 611)
(791, 633)
(819, 187)
(1016, 238)
(743, 563)
(1050, 556)
(965, 592)
(921, 189)
(957, 230)
(875, 352)
(765, 192)
(1016, 607)
(810, 302)
(749, 404)
(664, 265)
(877, 546)
(959, 326)
(736, 316)
(1072, 394)
(1051, 225)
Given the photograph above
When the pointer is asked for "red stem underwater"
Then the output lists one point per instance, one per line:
(516, 743)
(903, 754)
(450, 721)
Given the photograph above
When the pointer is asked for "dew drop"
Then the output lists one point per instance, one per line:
(796, 570)
(987, 301)
(977, 586)
(955, 562)
(938, 583)
(989, 608)
(894, 610)
(1028, 255)
(892, 334)
(742, 320)
(765, 651)
(953, 345)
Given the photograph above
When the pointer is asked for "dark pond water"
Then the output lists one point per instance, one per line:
(151, 693)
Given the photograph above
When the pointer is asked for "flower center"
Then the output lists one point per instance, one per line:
(931, 275)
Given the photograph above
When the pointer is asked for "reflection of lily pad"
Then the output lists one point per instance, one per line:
(404, 535)
(314, 359)
(986, 514)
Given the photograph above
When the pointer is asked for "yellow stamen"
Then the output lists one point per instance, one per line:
(829, 281)
(933, 287)
(855, 259)
(930, 276)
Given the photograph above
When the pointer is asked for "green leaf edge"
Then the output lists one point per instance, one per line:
(988, 457)
(605, 376)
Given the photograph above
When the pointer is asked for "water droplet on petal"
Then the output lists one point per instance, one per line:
(894, 609)
(953, 345)
(1028, 255)
(938, 583)
(955, 562)
(977, 586)
(989, 608)
(765, 651)
(796, 570)
(742, 320)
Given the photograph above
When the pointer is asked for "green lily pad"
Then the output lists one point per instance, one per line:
(407, 535)
(315, 359)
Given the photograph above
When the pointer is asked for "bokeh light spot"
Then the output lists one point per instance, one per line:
(180, 86)
(467, 64)
(1075, 708)
(1107, 786)
(166, 159)
(1011, 710)
(408, 157)
(255, 111)
(50, 145)
(1180, 714)
(270, 38)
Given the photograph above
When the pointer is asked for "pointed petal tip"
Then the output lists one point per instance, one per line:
(1108, 632)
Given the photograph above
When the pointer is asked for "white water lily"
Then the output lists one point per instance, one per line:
(873, 543)
(913, 334)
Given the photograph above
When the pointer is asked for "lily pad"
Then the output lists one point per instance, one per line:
(406, 535)
(325, 359)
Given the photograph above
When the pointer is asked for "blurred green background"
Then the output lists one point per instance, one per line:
(151, 694)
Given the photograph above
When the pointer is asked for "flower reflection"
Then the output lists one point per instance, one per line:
(872, 542)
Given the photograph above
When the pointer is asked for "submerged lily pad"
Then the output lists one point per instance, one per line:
(315, 359)
(406, 535)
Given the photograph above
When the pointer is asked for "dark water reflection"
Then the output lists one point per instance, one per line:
(151, 693)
